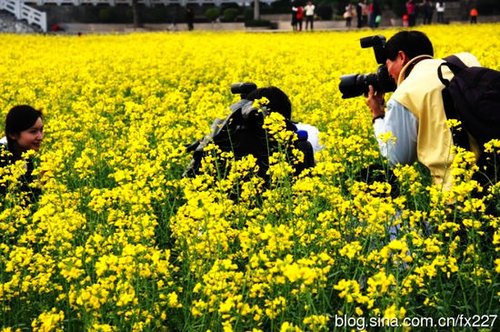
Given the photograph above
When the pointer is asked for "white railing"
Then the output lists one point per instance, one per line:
(24, 12)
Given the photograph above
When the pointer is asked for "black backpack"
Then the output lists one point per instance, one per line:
(241, 132)
(472, 96)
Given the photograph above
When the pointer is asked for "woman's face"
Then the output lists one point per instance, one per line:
(31, 138)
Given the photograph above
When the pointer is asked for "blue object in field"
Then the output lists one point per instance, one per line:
(302, 134)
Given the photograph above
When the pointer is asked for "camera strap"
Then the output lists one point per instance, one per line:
(405, 72)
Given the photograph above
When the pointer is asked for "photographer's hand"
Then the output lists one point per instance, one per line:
(375, 102)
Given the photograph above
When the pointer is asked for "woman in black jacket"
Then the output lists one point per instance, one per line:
(23, 132)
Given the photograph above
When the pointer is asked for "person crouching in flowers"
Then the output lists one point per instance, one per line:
(276, 101)
(245, 133)
(23, 133)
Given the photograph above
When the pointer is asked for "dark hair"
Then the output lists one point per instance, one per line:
(413, 43)
(19, 118)
(278, 100)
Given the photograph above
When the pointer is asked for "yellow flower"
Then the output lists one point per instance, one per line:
(492, 146)
(49, 321)
(316, 322)
(351, 249)
(258, 103)
(387, 137)
(289, 327)
(349, 289)
(454, 123)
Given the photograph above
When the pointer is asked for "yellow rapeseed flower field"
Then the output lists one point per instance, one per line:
(120, 241)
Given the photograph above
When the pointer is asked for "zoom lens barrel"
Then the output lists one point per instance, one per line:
(355, 85)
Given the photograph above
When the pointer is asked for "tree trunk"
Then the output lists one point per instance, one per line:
(256, 10)
(135, 14)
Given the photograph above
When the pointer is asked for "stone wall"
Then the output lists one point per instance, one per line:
(9, 24)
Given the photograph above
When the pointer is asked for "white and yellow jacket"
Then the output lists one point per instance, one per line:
(415, 116)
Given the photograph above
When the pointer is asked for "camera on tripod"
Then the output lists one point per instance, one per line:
(354, 85)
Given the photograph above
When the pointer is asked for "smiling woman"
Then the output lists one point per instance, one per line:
(23, 132)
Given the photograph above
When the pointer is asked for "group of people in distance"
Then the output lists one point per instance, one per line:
(426, 10)
(414, 114)
(367, 13)
(299, 12)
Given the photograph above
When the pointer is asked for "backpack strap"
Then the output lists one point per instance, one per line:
(454, 64)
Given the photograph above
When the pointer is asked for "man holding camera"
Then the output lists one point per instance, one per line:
(415, 113)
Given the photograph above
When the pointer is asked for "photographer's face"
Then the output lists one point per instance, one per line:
(395, 66)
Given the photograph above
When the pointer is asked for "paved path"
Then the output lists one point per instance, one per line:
(282, 26)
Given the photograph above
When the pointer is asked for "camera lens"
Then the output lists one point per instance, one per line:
(355, 85)
(387, 83)
(351, 85)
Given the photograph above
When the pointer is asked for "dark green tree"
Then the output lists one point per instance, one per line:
(135, 14)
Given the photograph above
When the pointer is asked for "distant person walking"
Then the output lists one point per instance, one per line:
(365, 13)
(309, 10)
(411, 10)
(295, 9)
(300, 17)
(375, 14)
(473, 15)
(359, 13)
(348, 14)
(440, 7)
(428, 11)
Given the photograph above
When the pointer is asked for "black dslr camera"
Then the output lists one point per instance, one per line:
(243, 88)
(355, 85)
